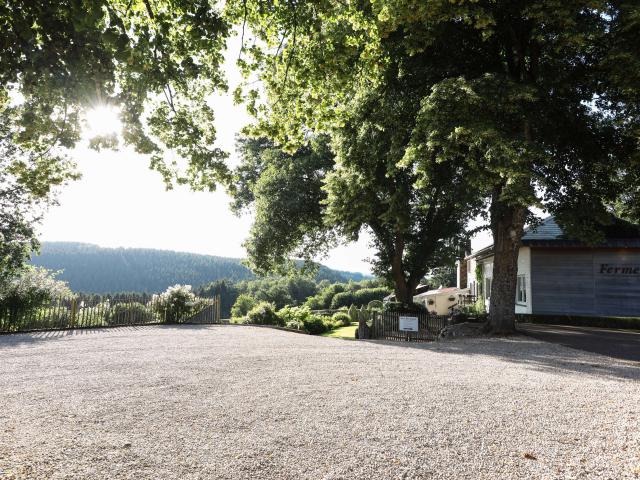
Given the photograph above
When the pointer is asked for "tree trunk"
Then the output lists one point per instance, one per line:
(507, 225)
(403, 288)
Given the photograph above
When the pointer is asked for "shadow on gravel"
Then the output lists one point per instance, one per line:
(14, 339)
(539, 355)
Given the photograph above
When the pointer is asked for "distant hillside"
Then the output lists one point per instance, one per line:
(90, 268)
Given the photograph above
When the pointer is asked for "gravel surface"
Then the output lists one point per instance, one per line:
(254, 403)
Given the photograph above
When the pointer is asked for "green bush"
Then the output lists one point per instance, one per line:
(341, 318)
(353, 313)
(294, 317)
(342, 299)
(129, 313)
(330, 324)
(264, 314)
(324, 298)
(242, 305)
(363, 296)
(315, 325)
(375, 305)
(359, 298)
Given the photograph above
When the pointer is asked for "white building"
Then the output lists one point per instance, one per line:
(561, 276)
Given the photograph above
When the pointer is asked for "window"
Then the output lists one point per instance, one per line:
(487, 288)
(521, 289)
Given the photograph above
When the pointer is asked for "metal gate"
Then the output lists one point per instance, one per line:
(385, 325)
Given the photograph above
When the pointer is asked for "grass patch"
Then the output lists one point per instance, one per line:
(343, 332)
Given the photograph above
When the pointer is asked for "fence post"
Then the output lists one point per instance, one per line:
(74, 312)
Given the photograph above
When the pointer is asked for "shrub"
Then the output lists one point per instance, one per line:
(32, 287)
(242, 305)
(26, 296)
(329, 324)
(175, 303)
(324, 298)
(360, 297)
(264, 314)
(353, 313)
(375, 305)
(294, 317)
(128, 313)
(365, 295)
(315, 325)
(342, 299)
(341, 318)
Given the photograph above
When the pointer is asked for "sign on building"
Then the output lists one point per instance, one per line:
(408, 324)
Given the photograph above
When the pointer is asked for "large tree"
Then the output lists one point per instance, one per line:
(307, 200)
(528, 93)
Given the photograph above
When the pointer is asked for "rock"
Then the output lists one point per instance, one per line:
(465, 329)
(458, 317)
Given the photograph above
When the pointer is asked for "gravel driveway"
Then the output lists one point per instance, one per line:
(254, 403)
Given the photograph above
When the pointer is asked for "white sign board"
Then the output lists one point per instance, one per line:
(408, 324)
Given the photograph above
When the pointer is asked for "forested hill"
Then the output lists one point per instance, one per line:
(90, 268)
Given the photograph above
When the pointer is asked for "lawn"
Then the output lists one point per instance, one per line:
(229, 402)
(343, 332)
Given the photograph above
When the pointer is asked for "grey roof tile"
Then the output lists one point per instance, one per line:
(547, 230)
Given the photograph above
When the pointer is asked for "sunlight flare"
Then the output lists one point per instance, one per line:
(102, 120)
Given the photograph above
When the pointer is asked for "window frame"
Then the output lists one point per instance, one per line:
(521, 288)
(488, 283)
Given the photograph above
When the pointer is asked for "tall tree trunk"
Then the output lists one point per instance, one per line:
(403, 288)
(507, 225)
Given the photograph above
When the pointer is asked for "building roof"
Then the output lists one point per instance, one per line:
(618, 233)
(419, 289)
(438, 291)
(547, 230)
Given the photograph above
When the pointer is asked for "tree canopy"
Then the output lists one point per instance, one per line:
(529, 96)
(527, 103)
(157, 61)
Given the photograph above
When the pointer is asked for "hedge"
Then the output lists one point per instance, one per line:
(358, 298)
(632, 323)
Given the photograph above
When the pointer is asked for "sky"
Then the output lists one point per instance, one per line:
(120, 202)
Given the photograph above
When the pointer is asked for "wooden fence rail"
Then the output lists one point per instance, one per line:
(385, 325)
(90, 311)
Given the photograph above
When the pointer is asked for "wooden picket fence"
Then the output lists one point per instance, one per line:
(91, 311)
(385, 325)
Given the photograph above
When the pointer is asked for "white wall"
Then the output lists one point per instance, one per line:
(524, 268)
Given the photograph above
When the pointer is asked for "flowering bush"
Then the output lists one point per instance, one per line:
(31, 288)
(175, 303)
